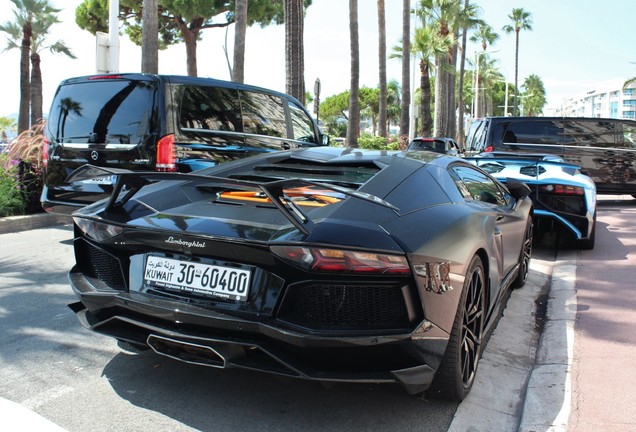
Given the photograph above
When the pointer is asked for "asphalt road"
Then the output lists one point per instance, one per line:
(51, 366)
(83, 381)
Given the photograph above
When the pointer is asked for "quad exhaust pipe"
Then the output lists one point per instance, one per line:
(216, 355)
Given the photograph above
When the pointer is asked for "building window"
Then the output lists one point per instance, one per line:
(629, 114)
(629, 92)
(613, 109)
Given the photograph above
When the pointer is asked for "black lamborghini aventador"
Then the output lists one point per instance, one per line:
(328, 264)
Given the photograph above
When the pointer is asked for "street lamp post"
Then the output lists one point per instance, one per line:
(476, 80)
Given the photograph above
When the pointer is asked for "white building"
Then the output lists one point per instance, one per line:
(608, 103)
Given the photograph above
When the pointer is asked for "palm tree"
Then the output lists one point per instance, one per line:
(488, 75)
(629, 82)
(38, 44)
(444, 16)
(521, 20)
(238, 71)
(26, 12)
(353, 127)
(382, 64)
(150, 37)
(294, 55)
(393, 103)
(485, 35)
(534, 95)
(406, 73)
(469, 21)
(427, 45)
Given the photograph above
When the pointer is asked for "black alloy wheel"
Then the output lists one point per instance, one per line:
(457, 370)
(524, 257)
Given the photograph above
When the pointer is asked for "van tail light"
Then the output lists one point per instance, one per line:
(45, 152)
(489, 149)
(342, 261)
(558, 189)
(166, 161)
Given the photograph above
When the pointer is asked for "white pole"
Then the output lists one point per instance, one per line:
(113, 31)
(477, 86)
(472, 114)
(506, 102)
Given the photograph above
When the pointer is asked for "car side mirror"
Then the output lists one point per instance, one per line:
(517, 188)
(325, 139)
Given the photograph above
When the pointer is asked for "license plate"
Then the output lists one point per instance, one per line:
(105, 180)
(198, 278)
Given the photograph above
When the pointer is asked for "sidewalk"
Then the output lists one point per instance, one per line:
(28, 222)
(604, 375)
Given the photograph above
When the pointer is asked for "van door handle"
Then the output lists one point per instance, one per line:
(285, 146)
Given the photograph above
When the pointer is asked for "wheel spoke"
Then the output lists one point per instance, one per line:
(472, 326)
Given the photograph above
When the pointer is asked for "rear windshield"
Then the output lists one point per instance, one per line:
(432, 145)
(111, 112)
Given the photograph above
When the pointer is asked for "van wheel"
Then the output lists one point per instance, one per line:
(457, 370)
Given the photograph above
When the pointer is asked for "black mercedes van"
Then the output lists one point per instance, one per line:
(604, 148)
(163, 123)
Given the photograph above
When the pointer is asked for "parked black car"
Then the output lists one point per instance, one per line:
(327, 264)
(604, 148)
(437, 145)
(164, 123)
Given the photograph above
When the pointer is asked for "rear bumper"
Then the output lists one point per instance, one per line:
(201, 336)
(581, 232)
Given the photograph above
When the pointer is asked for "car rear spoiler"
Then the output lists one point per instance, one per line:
(520, 160)
(274, 190)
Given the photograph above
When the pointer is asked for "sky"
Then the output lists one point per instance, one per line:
(575, 46)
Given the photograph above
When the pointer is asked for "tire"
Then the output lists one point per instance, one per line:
(524, 257)
(456, 372)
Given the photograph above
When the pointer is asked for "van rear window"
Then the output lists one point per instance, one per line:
(104, 111)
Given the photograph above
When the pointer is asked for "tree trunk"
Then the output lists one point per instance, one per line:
(452, 95)
(189, 34)
(514, 103)
(36, 89)
(443, 103)
(25, 91)
(425, 102)
(150, 37)
(294, 54)
(238, 70)
(406, 73)
(461, 133)
(353, 126)
(382, 61)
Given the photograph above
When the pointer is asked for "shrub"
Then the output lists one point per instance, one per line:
(25, 154)
(12, 195)
(368, 141)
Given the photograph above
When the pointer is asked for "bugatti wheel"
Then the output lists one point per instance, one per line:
(456, 373)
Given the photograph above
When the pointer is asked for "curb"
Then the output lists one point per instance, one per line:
(548, 397)
(12, 224)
